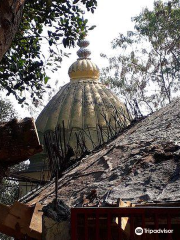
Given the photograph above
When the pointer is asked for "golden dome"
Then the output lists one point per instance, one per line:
(84, 103)
(80, 105)
(83, 68)
(85, 107)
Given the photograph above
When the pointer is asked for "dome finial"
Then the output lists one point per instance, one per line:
(83, 52)
(83, 68)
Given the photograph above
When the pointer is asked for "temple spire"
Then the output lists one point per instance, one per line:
(83, 68)
(83, 52)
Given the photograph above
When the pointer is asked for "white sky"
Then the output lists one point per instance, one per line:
(111, 18)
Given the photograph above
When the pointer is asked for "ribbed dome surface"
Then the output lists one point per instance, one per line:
(83, 69)
(81, 105)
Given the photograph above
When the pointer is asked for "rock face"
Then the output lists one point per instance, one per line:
(142, 165)
(56, 221)
(58, 211)
(55, 230)
(18, 141)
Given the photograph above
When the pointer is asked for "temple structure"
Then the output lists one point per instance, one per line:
(88, 113)
(129, 183)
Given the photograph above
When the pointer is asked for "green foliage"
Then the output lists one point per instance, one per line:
(7, 112)
(50, 23)
(8, 189)
(9, 193)
(147, 69)
(4, 237)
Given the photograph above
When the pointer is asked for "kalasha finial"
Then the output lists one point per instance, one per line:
(83, 52)
(83, 68)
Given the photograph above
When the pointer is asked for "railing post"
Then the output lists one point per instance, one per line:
(143, 226)
(74, 224)
(109, 226)
(119, 227)
(86, 226)
(156, 226)
(97, 225)
(169, 227)
(132, 227)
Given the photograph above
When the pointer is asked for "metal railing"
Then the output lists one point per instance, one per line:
(120, 223)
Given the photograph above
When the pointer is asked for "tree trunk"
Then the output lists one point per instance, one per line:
(10, 18)
(18, 141)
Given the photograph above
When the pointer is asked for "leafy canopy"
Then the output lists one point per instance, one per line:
(50, 23)
(147, 67)
(7, 111)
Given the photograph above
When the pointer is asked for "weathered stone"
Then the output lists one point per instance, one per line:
(57, 210)
(18, 141)
(53, 230)
(142, 164)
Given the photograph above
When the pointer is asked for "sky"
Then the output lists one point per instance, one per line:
(111, 18)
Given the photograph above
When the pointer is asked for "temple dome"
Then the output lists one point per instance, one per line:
(85, 114)
(84, 104)
(84, 107)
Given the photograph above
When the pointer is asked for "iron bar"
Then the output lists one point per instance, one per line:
(64, 138)
(132, 227)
